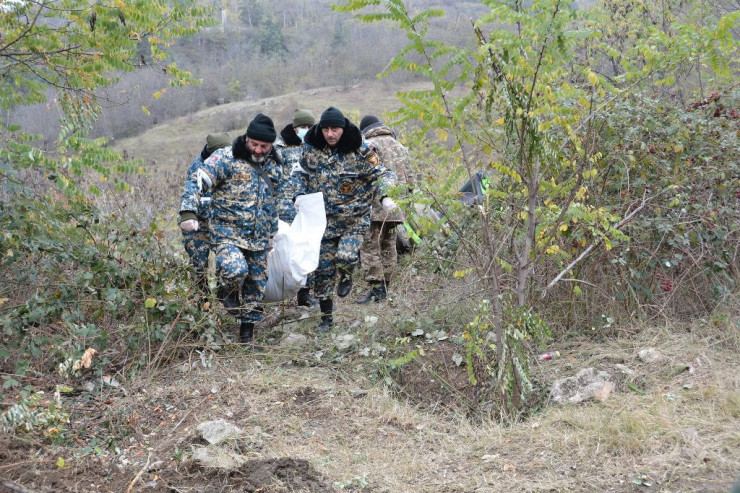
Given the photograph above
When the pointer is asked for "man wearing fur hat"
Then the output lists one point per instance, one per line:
(290, 146)
(348, 173)
(197, 243)
(378, 254)
(245, 181)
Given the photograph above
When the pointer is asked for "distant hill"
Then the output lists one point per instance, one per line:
(172, 145)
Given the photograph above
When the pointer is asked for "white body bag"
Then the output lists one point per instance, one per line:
(296, 249)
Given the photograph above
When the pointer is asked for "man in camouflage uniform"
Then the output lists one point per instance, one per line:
(197, 243)
(245, 181)
(338, 164)
(290, 146)
(378, 254)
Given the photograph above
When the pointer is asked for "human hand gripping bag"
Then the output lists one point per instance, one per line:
(296, 248)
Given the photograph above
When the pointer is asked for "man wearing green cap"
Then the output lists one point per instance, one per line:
(197, 243)
(290, 146)
(245, 180)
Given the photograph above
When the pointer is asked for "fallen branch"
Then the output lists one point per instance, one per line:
(592, 246)
(138, 476)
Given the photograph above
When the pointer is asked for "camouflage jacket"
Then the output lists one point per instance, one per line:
(348, 175)
(395, 157)
(290, 147)
(243, 204)
(203, 207)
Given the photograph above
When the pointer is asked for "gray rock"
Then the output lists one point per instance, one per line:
(581, 387)
(218, 431)
(293, 339)
(649, 355)
(217, 458)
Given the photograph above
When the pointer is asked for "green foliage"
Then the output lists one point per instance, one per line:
(508, 369)
(72, 48)
(82, 279)
(270, 37)
(533, 105)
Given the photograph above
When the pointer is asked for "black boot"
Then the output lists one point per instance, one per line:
(377, 293)
(345, 283)
(246, 332)
(327, 320)
(305, 299)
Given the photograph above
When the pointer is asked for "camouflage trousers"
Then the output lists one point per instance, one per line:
(241, 272)
(198, 245)
(378, 254)
(339, 253)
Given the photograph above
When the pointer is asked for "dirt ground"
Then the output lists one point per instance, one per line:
(309, 426)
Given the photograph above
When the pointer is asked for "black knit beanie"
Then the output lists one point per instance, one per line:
(331, 117)
(262, 129)
(368, 120)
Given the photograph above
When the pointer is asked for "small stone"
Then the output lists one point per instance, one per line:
(293, 339)
(649, 355)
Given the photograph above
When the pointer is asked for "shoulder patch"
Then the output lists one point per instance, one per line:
(369, 155)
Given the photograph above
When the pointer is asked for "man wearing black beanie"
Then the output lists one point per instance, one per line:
(348, 173)
(245, 180)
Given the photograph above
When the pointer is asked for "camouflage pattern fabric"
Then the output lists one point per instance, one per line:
(336, 254)
(395, 157)
(243, 220)
(378, 252)
(348, 175)
(198, 245)
(242, 276)
(243, 209)
(290, 147)
(202, 209)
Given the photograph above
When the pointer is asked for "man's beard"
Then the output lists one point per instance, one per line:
(258, 160)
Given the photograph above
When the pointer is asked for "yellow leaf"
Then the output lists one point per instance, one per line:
(563, 227)
(577, 290)
(500, 121)
(150, 303)
(145, 110)
(593, 79)
(608, 244)
(678, 148)
(60, 463)
(421, 351)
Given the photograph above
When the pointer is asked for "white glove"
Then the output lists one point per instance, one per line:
(189, 226)
(389, 204)
(296, 203)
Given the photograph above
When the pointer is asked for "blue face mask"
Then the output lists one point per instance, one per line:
(301, 133)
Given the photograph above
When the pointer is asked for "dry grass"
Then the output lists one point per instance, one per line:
(680, 434)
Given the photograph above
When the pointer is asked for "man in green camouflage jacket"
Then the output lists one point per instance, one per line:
(378, 254)
(337, 163)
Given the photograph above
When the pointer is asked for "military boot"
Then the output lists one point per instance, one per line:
(305, 299)
(345, 283)
(327, 320)
(377, 293)
(246, 332)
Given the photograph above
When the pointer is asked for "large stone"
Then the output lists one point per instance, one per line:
(585, 385)
(218, 431)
